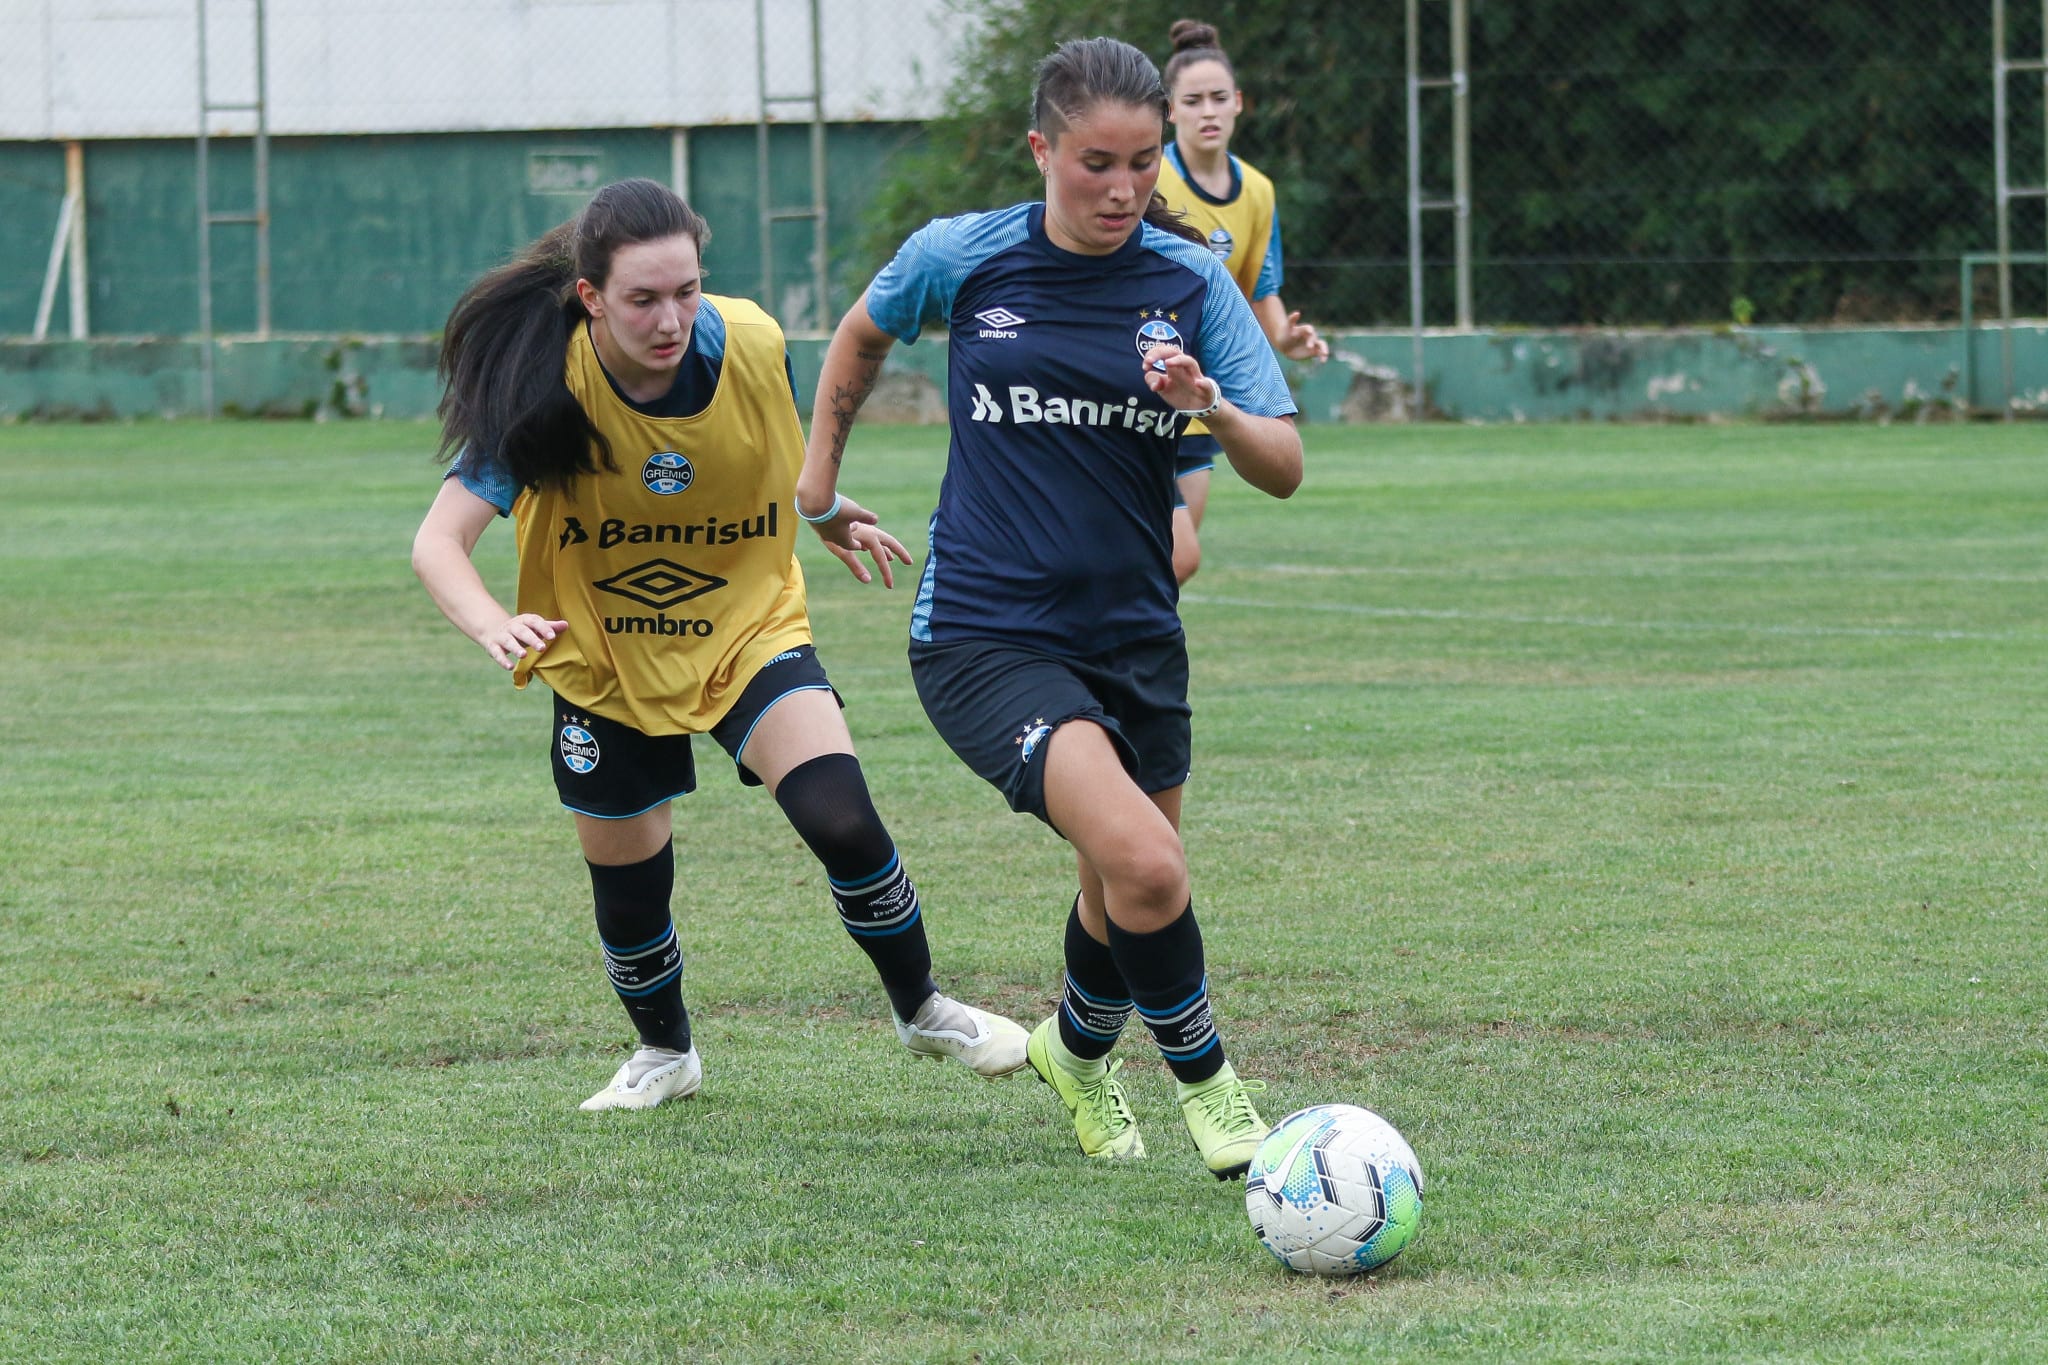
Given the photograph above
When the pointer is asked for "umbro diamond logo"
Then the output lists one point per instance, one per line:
(660, 583)
(998, 323)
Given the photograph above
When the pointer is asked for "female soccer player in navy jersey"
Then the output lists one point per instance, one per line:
(643, 437)
(1045, 641)
(1232, 205)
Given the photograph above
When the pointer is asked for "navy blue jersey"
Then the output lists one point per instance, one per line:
(1054, 524)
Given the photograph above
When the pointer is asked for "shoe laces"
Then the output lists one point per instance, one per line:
(1105, 1098)
(1228, 1107)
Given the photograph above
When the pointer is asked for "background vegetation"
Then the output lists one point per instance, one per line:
(1670, 161)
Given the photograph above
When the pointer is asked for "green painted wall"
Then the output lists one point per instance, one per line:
(1848, 372)
(381, 234)
(1490, 376)
(31, 189)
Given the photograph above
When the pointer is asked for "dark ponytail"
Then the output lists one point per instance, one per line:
(502, 351)
(1084, 72)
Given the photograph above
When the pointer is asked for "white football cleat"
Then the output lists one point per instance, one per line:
(650, 1076)
(987, 1044)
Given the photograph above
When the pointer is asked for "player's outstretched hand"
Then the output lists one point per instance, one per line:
(855, 532)
(509, 642)
(1302, 341)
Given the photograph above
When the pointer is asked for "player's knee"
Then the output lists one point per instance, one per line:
(826, 802)
(1152, 873)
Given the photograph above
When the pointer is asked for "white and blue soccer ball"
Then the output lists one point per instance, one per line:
(1334, 1190)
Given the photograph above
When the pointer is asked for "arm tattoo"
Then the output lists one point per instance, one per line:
(847, 398)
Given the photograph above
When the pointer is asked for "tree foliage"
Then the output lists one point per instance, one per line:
(1664, 161)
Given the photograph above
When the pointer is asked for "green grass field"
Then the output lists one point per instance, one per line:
(1651, 822)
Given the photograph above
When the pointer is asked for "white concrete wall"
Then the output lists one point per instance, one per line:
(129, 68)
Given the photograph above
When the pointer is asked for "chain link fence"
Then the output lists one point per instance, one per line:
(1660, 163)
(1669, 162)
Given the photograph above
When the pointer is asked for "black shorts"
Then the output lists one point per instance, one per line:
(1196, 453)
(995, 703)
(611, 770)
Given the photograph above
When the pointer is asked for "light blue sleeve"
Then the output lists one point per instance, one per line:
(1270, 272)
(1234, 349)
(487, 479)
(920, 284)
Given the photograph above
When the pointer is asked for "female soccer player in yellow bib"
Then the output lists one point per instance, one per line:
(1232, 205)
(643, 437)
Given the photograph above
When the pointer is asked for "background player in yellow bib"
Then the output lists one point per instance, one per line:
(643, 437)
(1232, 205)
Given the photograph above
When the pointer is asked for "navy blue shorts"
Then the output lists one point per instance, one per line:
(996, 703)
(1196, 453)
(611, 770)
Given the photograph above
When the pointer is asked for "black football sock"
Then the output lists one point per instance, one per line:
(641, 954)
(827, 802)
(1170, 984)
(1094, 1002)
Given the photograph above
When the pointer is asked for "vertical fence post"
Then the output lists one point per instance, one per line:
(205, 263)
(74, 190)
(1415, 203)
(1461, 152)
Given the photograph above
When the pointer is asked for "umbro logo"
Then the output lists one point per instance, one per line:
(660, 583)
(998, 323)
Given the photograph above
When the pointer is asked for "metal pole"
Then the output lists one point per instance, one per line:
(762, 189)
(1415, 201)
(819, 272)
(67, 208)
(262, 184)
(1461, 152)
(1968, 283)
(679, 161)
(74, 190)
(205, 239)
(2002, 170)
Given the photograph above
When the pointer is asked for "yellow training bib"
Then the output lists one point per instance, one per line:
(1238, 231)
(677, 571)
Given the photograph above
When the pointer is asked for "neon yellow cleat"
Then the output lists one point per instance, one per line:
(650, 1076)
(1091, 1093)
(989, 1045)
(1222, 1121)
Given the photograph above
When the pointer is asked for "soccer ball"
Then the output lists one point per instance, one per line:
(1334, 1190)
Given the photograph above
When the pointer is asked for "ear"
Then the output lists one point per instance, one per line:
(593, 302)
(1041, 150)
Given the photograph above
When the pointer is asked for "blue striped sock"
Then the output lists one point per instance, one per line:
(1170, 985)
(1094, 1003)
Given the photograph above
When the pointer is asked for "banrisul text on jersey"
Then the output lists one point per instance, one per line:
(1054, 523)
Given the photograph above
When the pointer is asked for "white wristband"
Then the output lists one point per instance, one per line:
(822, 517)
(1215, 402)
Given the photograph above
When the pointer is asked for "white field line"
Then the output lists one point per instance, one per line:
(1672, 571)
(1610, 623)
